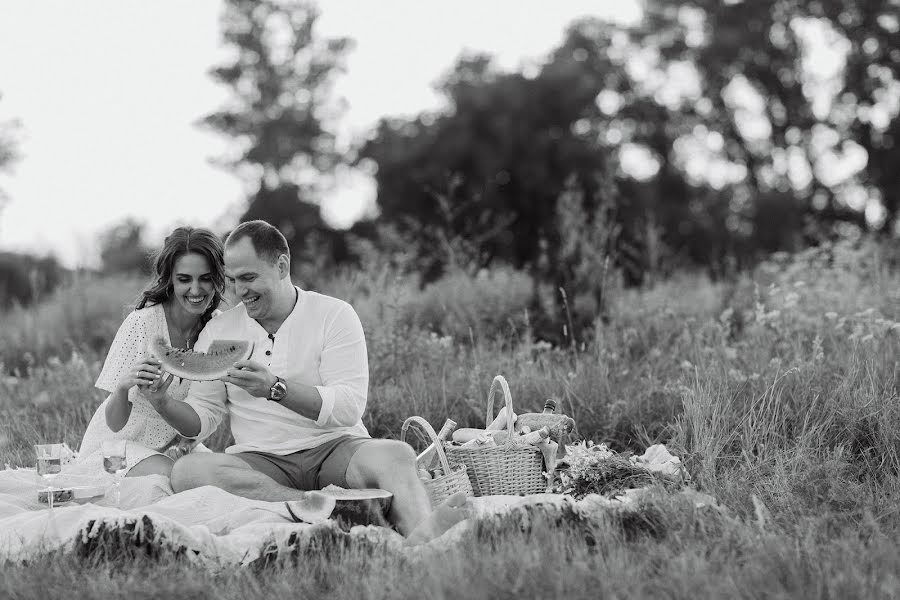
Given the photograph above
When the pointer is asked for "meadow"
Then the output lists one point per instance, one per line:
(779, 389)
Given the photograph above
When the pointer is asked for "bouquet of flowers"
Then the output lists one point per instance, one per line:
(588, 468)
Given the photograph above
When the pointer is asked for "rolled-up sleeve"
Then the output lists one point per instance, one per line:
(344, 371)
(207, 398)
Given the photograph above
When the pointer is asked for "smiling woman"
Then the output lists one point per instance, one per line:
(186, 289)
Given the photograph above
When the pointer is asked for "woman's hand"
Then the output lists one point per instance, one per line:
(181, 447)
(143, 375)
(156, 393)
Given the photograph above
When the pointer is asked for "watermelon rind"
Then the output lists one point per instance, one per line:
(201, 366)
(359, 506)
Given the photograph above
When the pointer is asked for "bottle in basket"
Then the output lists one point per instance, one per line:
(428, 458)
(533, 437)
(559, 425)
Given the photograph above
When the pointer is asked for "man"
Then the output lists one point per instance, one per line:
(296, 408)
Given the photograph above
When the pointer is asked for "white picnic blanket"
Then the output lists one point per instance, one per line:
(218, 528)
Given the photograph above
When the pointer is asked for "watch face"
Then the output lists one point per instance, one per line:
(278, 391)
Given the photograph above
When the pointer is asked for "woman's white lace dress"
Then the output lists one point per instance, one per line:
(147, 433)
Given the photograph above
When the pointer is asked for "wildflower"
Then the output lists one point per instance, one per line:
(817, 351)
(686, 365)
(77, 361)
(791, 299)
(41, 399)
(737, 375)
(726, 315)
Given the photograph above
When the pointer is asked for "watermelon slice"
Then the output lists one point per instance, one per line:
(201, 366)
(356, 507)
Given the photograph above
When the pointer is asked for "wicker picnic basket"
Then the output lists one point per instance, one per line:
(455, 478)
(507, 468)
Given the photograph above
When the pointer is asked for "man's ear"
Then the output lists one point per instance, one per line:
(284, 266)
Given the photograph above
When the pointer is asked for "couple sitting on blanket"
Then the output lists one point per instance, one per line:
(295, 406)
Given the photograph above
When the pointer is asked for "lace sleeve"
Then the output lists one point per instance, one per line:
(128, 347)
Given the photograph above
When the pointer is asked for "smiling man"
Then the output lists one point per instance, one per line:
(296, 405)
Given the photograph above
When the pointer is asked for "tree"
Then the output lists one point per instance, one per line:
(8, 150)
(807, 120)
(703, 134)
(122, 249)
(280, 110)
(489, 169)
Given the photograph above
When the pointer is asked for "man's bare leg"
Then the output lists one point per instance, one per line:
(234, 475)
(391, 465)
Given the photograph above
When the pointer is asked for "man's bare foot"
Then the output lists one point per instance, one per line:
(447, 514)
(313, 507)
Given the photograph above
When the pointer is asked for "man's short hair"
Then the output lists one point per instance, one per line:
(268, 242)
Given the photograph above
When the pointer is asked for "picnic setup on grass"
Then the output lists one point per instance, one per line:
(518, 460)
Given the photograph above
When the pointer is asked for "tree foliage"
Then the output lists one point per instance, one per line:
(709, 133)
(123, 250)
(9, 152)
(280, 111)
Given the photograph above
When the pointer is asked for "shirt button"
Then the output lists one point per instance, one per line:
(268, 353)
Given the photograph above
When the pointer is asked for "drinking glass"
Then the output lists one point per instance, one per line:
(49, 465)
(114, 463)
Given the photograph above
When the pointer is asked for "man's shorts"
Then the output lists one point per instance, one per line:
(311, 469)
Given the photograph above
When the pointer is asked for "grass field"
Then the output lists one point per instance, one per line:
(780, 390)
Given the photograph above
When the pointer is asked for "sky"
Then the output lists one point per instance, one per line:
(108, 94)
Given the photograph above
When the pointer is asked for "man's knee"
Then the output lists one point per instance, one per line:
(195, 470)
(387, 457)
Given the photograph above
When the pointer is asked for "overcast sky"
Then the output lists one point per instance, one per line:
(107, 93)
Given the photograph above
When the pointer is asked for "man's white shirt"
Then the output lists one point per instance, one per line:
(321, 343)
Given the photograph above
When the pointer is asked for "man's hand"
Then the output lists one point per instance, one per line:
(252, 377)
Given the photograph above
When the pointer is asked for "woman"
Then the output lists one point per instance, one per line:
(188, 283)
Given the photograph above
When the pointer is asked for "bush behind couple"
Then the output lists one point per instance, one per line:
(295, 406)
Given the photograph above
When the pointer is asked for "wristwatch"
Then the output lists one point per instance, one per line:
(278, 390)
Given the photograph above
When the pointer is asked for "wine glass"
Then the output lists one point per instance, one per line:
(114, 463)
(49, 465)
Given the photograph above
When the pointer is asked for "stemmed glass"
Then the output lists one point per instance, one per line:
(114, 452)
(49, 465)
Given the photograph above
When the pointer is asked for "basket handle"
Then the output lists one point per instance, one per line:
(439, 447)
(498, 384)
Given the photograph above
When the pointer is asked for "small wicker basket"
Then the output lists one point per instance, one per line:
(507, 468)
(455, 478)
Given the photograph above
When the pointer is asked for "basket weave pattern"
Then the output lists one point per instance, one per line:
(455, 477)
(506, 468)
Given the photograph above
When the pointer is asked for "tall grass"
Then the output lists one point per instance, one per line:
(780, 390)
